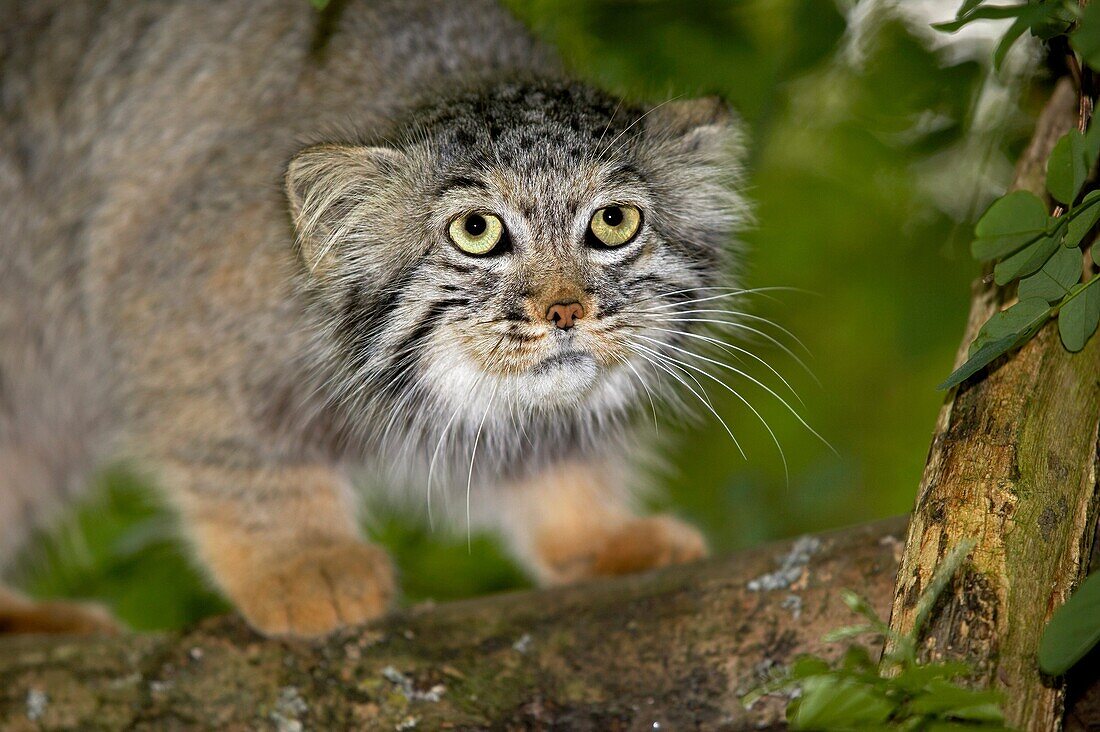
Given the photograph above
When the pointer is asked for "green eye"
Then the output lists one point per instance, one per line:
(476, 233)
(613, 226)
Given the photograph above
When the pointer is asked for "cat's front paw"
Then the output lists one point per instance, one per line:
(648, 543)
(317, 590)
(635, 545)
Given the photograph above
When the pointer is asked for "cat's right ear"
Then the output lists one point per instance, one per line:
(706, 126)
(331, 189)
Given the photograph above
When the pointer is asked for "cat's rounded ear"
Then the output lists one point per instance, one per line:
(704, 125)
(331, 188)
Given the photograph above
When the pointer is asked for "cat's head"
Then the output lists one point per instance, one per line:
(512, 249)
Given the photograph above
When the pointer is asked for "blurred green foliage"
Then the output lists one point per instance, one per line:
(839, 159)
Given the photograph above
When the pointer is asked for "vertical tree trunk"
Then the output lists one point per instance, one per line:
(1013, 466)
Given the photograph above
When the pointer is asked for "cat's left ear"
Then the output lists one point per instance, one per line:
(705, 125)
(332, 189)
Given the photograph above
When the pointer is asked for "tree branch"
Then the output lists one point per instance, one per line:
(677, 647)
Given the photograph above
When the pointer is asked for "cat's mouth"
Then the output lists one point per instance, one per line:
(561, 378)
(565, 360)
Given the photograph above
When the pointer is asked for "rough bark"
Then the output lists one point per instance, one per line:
(677, 648)
(1013, 466)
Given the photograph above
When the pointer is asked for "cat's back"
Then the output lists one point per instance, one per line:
(142, 146)
(100, 81)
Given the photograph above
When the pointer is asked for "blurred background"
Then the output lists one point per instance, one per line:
(875, 143)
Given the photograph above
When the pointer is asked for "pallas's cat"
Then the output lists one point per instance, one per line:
(255, 249)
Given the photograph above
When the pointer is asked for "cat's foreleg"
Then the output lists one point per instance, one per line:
(281, 540)
(577, 520)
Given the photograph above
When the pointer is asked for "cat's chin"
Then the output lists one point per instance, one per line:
(566, 381)
(562, 379)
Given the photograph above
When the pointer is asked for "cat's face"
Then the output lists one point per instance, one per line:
(514, 250)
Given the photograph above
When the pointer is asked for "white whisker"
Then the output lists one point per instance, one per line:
(701, 288)
(739, 314)
(652, 405)
(473, 456)
(738, 349)
(629, 126)
(766, 336)
(658, 363)
(754, 380)
(737, 293)
(775, 439)
(439, 444)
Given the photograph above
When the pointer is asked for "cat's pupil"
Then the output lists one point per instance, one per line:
(475, 225)
(612, 215)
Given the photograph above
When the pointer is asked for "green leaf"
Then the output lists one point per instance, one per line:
(915, 678)
(807, 666)
(848, 631)
(831, 702)
(1008, 224)
(1053, 282)
(1042, 19)
(985, 12)
(1029, 259)
(857, 604)
(1078, 315)
(1057, 23)
(1001, 333)
(1092, 141)
(1006, 323)
(319, 4)
(857, 660)
(964, 727)
(1084, 217)
(1086, 39)
(967, 6)
(947, 700)
(1073, 630)
(1036, 16)
(1068, 167)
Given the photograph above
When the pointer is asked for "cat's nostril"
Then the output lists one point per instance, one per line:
(565, 314)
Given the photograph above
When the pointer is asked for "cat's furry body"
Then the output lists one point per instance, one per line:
(160, 300)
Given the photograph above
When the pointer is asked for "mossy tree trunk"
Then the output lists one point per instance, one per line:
(1013, 465)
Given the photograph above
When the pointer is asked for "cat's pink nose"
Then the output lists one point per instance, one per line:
(565, 314)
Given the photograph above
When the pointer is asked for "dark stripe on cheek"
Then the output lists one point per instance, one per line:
(362, 321)
(455, 267)
(452, 302)
(516, 314)
(645, 279)
(407, 352)
(630, 258)
(522, 337)
(423, 329)
(638, 290)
